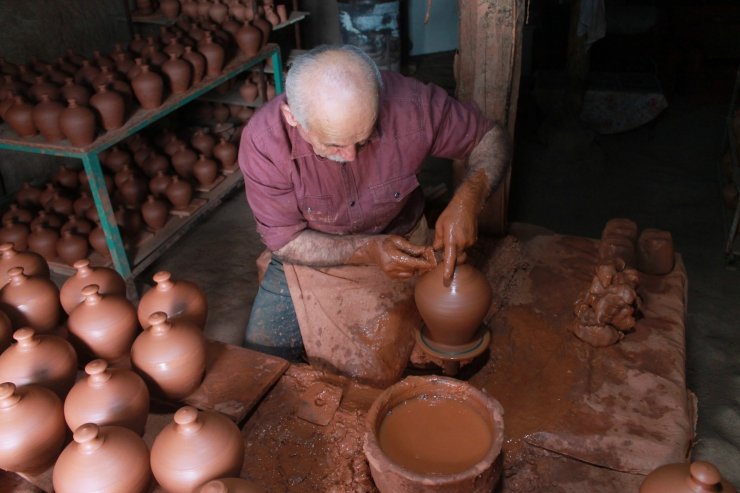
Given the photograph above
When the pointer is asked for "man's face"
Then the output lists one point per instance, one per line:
(340, 146)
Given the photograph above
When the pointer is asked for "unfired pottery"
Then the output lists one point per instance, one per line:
(108, 396)
(249, 39)
(32, 263)
(197, 61)
(32, 426)
(655, 253)
(111, 106)
(78, 124)
(43, 241)
(78, 92)
(205, 171)
(453, 313)
(103, 459)
(154, 163)
(67, 178)
(14, 233)
(197, 447)
(103, 326)
(203, 142)
(225, 153)
(179, 74)
(72, 247)
(28, 195)
(170, 8)
(159, 183)
(46, 115)
(78, 225)
(6, 331)
(248, 91)
(179, 299)
(213, 53)
(179, 192)
(419, 444)
(108, 281)
(170, 355)
(98, 242)
(148, 88)
(155, 212)
(696, 477)
(45, 360)
(231, 485)
(20, 118)
(31, 301)
(18, 214)
(183, 161)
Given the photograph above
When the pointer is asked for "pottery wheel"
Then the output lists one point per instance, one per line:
(448, 352)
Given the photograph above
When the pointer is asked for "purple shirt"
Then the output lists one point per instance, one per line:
(289, 188)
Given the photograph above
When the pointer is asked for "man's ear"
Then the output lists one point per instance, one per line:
(288, 115)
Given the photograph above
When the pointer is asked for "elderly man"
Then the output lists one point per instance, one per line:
(330, 174)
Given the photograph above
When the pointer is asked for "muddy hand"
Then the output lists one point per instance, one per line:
(396, 256)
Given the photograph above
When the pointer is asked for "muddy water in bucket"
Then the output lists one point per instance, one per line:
(434, 434)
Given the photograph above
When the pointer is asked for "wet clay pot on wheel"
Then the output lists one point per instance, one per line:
(230, 485)
(32, 263)
(107, 280)
(453, 313)
(31, 301)
(197, 447)
(108, 396)
(171, 356)
(32, 426)
(103, 326)
(696, 477)
(434, 434)
(109, 459)
(176, 298)
(45, 360)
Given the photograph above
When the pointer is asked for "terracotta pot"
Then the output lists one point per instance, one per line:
(453, 313)
(231, 485)
(271, 16)
(72, 247)
(155, 212)
(214, 55)
(117, 158)
(67, 178)
(103, 326)
(137, 44)
(61, 205)
(72, 90)
(153, 54)
(45, 360)
(109, 282)
(249, 91)
(170, 355)
(103, 61)
(183, 161)
(6, 331)
(20, 118)
(82, 204)
(170, 8)
(221, 112)
(282, 13)
(205, 171)
(159, 183)
(32, 427)
(179, 193)
(655, 253)
(30, 301)
(135, 69)
(155, 163)
(122, 175)
(264, 26)
(111, 106)
(87, 72)
(203, 7)
(42, 86)
(197, 447)
(105, 459)
(190, 8)
(32, 263)
(98, 242)
(134, 191)
(28, 195)
(148, 88)
(47, 219)
(14, 233)
(203, 142)
(179, 74)
(178, 299)
(249, 39)
(218, 11)
(231, 26)
(108, 396)
(17, 214)
(197, 62)
(46, 116)
(225, 152)
(686, 478)
(124, 62)
(78, 124)
(77, 225)
(43, 241)
(434, 434)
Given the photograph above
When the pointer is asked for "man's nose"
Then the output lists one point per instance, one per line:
(348, 153)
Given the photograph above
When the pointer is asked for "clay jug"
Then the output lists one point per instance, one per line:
(122, 175)
(154, 163)
(271, 16)
(248, 91)
(32, 427)
(197, 62)
(170, 8)
(87, 72)
(108, 396)
(249, 39)
(117, 158)
(46, 116)
(104, 459)
(6, 103)
(103, 326)
(260, 23)
(213, 53)
(20, 118)
(197, 447)
(45, 360)
(72, 90)
(231, 485)
(61, 205)
(221, 112)
(203, 142)
(696, 477)
(47, 219)
(137, 44)
(77, 225)
(32, 263)
(43, 241)
(134, 191)
(148, 88)
(170, 355)
(159, 183)
(178, 299)
(98, 242)
(28, 195)
(124, 62)
(67, 178)
(18, 214)
(78, 124)
(172, 145)
(225, 153)
(183, 161)
(135, 69)
(109, 282)
(453, 313)
(218, 11)
(72, 247)
(15, 233)
(282, 12)
(179, 74)
(231, 26)
(31, 301)
(190, 8)
(111, 107)
(205, 171)
(152, 52)
(155, 212)
(42, 86)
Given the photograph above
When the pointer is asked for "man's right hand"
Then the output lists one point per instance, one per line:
(396, 256)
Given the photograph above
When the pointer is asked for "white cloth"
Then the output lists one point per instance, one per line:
(592, 20)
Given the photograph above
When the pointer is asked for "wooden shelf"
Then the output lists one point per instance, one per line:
(158, 18)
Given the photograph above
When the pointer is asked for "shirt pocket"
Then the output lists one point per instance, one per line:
(318, 209)
(390, 197)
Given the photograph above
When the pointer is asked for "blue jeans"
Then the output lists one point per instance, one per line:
(273, 327)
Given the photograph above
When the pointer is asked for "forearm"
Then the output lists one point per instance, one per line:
(488, 163)
(323, 250)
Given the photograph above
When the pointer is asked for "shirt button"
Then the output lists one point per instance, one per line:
(308, 209)
(352, 204)
(397, 194)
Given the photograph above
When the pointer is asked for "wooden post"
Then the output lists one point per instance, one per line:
(487, 70)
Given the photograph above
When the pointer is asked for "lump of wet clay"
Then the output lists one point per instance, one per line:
(608, 308)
